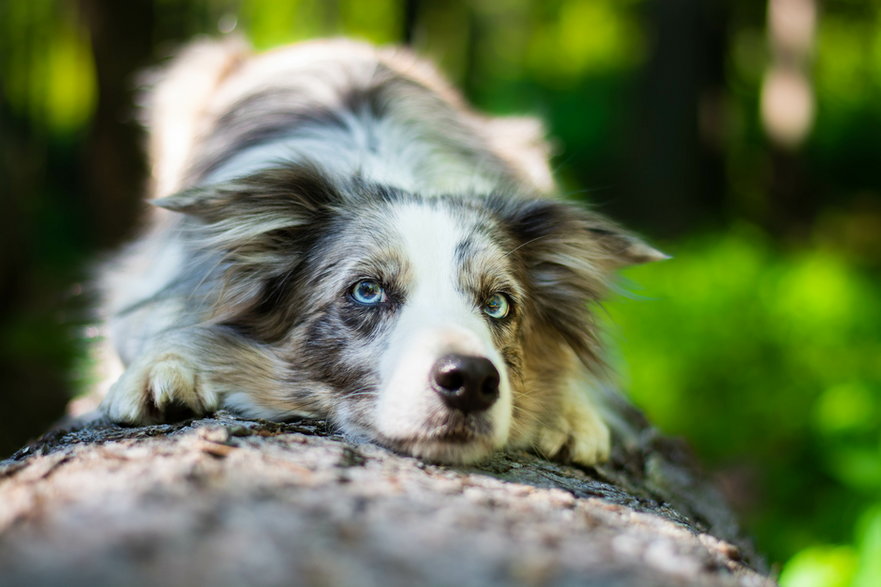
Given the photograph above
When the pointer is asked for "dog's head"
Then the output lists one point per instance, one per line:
(441, 326)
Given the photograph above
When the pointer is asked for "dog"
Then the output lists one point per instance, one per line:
(336, 233)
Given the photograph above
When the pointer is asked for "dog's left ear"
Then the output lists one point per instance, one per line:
(621, 248)
(572, 235)
(568, 255)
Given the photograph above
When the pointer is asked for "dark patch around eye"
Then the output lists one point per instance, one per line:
(325, 355)
(365, 320)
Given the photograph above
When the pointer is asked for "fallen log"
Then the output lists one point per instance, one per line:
(228, 501)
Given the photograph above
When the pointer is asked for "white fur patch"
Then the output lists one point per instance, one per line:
(437, 319)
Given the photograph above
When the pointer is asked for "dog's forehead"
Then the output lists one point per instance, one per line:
(439, 239)
(428, 235)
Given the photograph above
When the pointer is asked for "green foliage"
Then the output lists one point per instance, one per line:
(857, 565)
(269, 23)
(820, 566)
(768, 362)
(48, 69)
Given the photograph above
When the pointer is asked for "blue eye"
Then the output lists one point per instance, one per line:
(497, 306)
(368, 292)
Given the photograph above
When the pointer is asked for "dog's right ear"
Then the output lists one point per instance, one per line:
(262, 222)
(282, 196)
(261, 225)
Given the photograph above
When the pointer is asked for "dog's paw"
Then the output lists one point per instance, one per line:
(578, 435)
(157, 388)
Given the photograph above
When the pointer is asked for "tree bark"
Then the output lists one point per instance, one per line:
(227, 501)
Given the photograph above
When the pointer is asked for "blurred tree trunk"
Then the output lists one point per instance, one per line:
(787, 108)
(793, 202)
(678, 171)
(122, 36)
(410, 21)
(225, 501)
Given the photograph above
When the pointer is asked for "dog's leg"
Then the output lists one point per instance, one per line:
(191, 368)
(577, 431)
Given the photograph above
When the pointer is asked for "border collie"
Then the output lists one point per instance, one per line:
(337, 234)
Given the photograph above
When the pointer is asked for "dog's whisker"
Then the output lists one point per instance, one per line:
(525, 244)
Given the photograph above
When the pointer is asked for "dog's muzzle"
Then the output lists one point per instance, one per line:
(466, 383)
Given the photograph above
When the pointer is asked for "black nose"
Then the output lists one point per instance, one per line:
(468, 384)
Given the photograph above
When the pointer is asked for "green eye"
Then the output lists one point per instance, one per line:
(368, 293)
(497, 306)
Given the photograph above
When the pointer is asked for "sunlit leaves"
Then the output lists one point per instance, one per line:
(768, 357)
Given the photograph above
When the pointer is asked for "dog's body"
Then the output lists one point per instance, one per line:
(342, 237)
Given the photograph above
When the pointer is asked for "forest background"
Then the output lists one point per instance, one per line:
(743, 138)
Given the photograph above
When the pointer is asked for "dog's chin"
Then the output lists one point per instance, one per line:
(453, 442)
(441, 450)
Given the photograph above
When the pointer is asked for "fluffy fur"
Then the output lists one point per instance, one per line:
(282, 181)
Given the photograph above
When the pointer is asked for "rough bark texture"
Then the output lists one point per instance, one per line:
(226, 501)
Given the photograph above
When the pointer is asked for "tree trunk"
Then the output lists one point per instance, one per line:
(227, 501)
